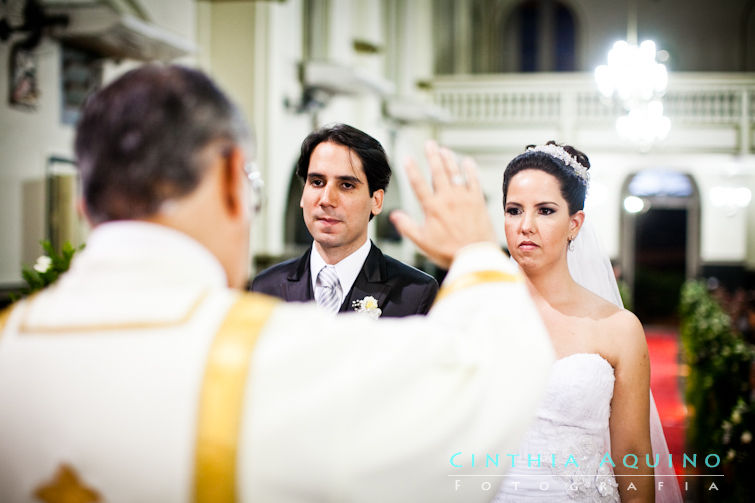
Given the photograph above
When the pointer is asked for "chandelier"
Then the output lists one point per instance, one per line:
(637, 81)
(644, 124)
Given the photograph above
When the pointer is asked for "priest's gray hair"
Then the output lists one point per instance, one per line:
(139, 139)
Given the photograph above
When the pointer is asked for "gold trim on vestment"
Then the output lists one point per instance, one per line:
(136, 325)
(4, 315)
(222, 398)
(66, 487)
(476, 278)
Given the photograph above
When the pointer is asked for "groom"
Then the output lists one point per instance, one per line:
(345, 173)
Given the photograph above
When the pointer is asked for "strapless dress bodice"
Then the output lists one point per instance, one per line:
(560, 456)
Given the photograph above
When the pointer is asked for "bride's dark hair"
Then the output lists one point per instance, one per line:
(573, 188)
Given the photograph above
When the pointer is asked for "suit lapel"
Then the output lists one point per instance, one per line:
(297, 286)
(370, 281)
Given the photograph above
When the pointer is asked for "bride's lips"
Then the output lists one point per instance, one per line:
(527, 245)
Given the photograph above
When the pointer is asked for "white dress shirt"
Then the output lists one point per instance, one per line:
(347, 269)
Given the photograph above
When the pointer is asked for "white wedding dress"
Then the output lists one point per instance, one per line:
(573, 417)
(569, 435)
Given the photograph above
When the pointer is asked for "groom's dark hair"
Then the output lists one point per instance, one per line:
(367, 148)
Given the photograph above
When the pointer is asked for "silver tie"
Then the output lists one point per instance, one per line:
(329, 294)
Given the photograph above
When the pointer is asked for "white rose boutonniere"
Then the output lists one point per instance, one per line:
(369, 306)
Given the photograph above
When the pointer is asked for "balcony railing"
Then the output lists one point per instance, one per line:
(550, 99)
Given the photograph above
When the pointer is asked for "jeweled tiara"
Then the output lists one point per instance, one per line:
(559, 153)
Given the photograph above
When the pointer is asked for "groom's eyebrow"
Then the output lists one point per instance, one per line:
(340, 178)
(351, 179)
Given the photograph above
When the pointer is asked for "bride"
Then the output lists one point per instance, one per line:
(591, 440)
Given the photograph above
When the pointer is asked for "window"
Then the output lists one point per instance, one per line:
(494, 36)
(541, 35)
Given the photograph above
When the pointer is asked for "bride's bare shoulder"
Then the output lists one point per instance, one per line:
(626, 334)
(597, 305)
(612, 317)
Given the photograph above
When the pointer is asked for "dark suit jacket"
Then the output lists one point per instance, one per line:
(400, 290)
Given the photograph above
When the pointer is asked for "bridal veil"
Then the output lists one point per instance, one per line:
(590, 266)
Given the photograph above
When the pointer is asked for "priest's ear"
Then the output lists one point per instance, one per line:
(81, 211)
(232, 182)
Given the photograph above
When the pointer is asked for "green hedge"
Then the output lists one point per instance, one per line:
(48, 268)
(718, 391)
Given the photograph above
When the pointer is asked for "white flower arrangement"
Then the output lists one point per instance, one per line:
(43, 264)
(369, 306)
(47, 268)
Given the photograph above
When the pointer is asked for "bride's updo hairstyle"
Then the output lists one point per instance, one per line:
(566, 163)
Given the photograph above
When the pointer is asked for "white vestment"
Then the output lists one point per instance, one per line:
(102, 371)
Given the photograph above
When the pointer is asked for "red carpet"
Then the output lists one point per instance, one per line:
(663, 346)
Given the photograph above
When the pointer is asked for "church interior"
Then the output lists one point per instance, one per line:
(660, 94)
